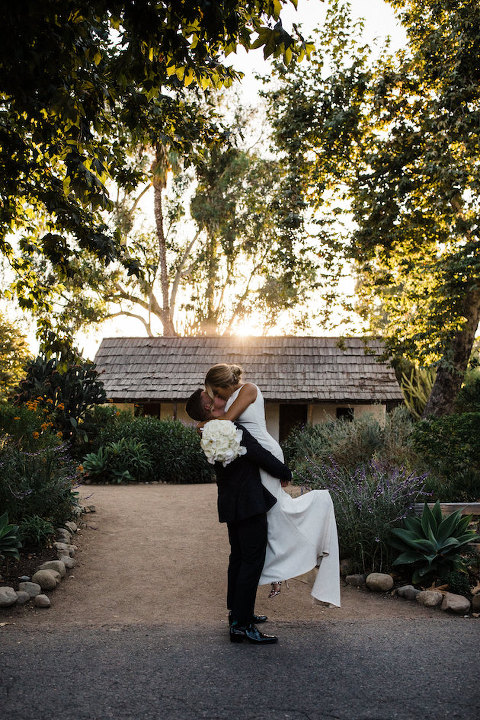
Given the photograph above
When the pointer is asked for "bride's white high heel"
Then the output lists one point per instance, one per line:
(276, 587)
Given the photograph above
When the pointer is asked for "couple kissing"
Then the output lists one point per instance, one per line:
(273, 537)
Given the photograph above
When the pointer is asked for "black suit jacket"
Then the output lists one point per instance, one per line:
(240, 491)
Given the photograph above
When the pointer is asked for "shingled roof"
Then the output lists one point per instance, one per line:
(169, 369)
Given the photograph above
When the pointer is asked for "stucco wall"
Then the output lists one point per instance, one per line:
(323, 412)
(167, 411)
(272, 416)
(317, 413)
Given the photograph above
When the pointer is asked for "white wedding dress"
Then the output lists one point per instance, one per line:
(302, 532)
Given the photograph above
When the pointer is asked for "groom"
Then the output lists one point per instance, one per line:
(243, 504)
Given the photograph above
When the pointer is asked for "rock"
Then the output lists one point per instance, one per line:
(346, 567)
(57, 565)
(24, 578)
(379, 582)
(61, 546)
(355, 580)
(64, 549)
(8, 596)
(31, 588)
(22, 597)
(64, 536)
(429, 598)
(68, 561)
(42, 601)
(456, 603)
(408, 592)
(71, 526)
(47, 579)
(476, 603)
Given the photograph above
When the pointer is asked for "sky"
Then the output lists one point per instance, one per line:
(380, 22)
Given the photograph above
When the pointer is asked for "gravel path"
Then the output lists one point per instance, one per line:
(156, 554)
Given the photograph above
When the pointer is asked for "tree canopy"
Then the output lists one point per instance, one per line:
(393, 141)
(71, 74)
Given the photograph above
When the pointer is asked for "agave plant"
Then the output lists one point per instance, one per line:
(9, 542)
(96, 464)
(432, 544)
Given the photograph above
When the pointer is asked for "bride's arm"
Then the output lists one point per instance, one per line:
(246, 396)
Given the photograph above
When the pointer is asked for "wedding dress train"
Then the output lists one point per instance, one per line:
(302, 531)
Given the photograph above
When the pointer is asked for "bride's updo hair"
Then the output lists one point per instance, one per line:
(223, 375)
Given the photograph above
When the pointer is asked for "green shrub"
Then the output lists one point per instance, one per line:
(368, 501)
(174, 452)
(431, 545)
(125, 460)
(468, 399)
(350, 444)
(39, 482)
(9, 541)
(35, 532)
(458, 583)
(66, 394)
(27, 426)
(449, 447)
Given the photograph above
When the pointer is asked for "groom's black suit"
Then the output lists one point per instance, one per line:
(243, 504)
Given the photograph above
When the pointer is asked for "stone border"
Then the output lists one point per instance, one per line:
(48, 575)
(381, 582)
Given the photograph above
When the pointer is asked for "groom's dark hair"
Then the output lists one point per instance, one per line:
(194, 406)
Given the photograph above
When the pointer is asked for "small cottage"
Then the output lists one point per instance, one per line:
(303, 379)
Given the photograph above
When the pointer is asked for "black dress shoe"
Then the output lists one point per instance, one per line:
(239, 633)
(256, 619)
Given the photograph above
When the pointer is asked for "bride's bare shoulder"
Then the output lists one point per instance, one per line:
(249, 390)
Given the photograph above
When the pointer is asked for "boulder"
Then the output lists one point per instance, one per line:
(71, 526)
(62, 547)
(22, 597)
(57, 565)
(457, 604)
(408, 592)
(42, 601)
(47, 579)
(31, 588)
(429, 598)
(379, 582)
(8, 596)
(68, 561)
(355, 580)
(64, 536)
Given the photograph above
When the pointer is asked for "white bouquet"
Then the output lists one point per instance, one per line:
(221, 441)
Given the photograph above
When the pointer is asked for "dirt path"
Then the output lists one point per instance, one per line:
(155, 554)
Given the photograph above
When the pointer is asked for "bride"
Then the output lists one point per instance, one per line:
(302, 532)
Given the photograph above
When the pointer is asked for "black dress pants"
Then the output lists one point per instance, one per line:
(248, 544)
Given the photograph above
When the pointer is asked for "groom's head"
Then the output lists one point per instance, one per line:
(199, 406)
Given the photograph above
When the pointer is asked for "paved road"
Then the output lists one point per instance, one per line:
(364, 670)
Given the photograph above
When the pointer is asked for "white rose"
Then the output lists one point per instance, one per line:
(221, 441)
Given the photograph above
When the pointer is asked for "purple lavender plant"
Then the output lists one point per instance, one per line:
(368, 500)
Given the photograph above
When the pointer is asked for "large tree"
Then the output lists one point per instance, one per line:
(71, 73)
(393, 141)
(214, 255)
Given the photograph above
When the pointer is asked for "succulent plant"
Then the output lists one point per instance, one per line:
(432, 544)
(9, 542)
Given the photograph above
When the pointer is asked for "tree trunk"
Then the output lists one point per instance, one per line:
(159, 181)
(451, 370)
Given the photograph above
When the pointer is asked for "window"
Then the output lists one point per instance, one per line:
(345, 413)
